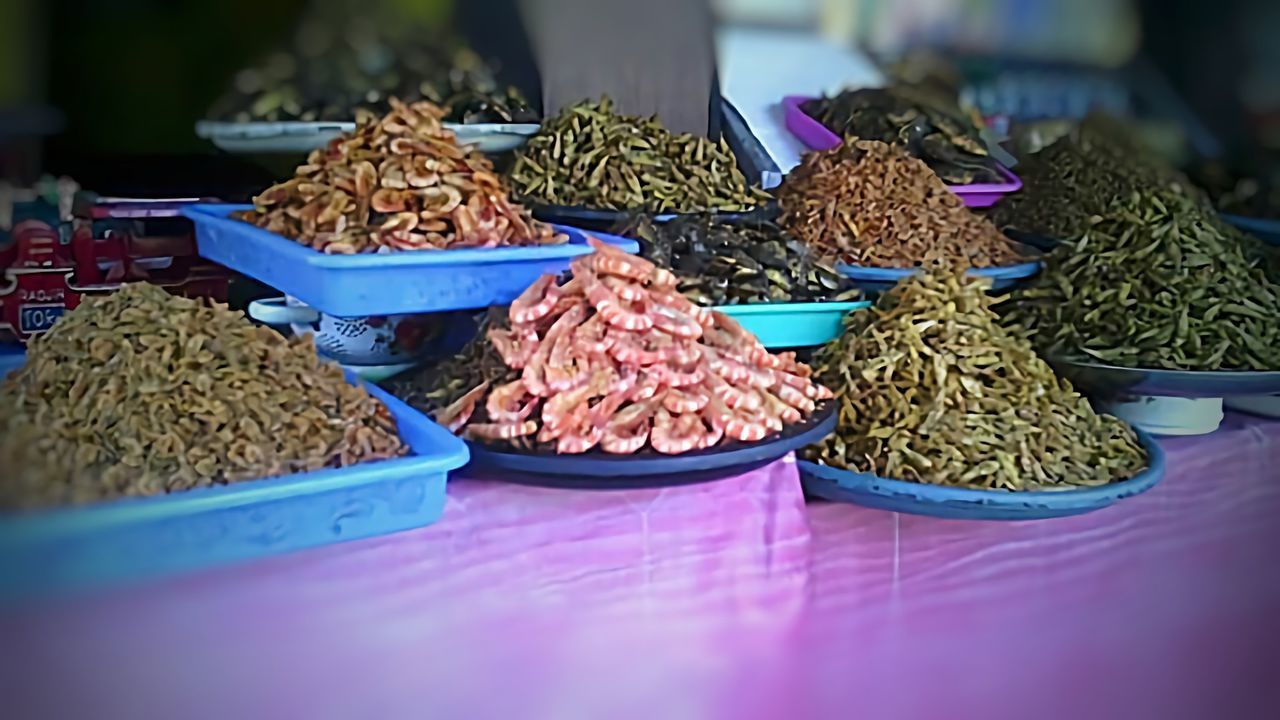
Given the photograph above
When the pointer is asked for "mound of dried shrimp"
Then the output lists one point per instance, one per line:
(400, 182)
(617, 358)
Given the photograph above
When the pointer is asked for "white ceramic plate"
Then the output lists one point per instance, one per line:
(302, 137)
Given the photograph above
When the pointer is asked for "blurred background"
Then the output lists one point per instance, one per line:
(109, 90)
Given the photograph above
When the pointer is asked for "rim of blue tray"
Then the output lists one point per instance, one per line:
(1255, 224)
(217, 214)
(784, 308)
(1007, 272)
(874, 485)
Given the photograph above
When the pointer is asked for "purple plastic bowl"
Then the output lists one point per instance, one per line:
(816, 136)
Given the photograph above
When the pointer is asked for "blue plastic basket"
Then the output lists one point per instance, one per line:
(371, 284)
(77, 547)
(793, 325)
(1268, 231)
(874, 279)
(872, 491)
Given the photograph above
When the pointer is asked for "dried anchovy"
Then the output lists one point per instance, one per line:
(590, 156)
(614, 358)
(918, 121)
(144, 393)
(722, 264)
(327, 77)
(933, 390)
(1071, 182)
(1154, 283)
(398, 183)
(871, 204)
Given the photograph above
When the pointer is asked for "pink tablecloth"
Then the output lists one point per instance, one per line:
(730, 599)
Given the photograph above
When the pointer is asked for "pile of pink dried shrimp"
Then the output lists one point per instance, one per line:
(617, 358)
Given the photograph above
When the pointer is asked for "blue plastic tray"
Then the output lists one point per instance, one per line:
(1267, 231)
(965, 504)
(77, 547)
(598, 470)
(370, 284)
(793, 325)
(872, 279)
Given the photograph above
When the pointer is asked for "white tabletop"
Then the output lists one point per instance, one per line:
(758, 67)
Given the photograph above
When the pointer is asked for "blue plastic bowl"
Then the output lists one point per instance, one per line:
(1265, 230)
(793, 325)
(72, 548)
(371, 284)
(872, 491)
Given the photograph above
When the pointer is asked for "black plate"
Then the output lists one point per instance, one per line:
(598, 470)
(1111, 381)
(604, 220)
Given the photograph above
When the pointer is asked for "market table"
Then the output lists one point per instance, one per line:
(728, 599)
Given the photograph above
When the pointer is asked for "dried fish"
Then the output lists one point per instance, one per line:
(344, 68)
(871, 204)
(144, 393)
(590, 156)
(721, 264)
(919, 121)
(933, 390)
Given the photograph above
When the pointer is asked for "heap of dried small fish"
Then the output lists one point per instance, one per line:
(943, 137)
(722, 264)
(338, 68)
(143, 393)
(1071, 182)
(933, 390)
(589, 156)
(871, 204)
(615, 358)
(398, 183)
(1154, 283)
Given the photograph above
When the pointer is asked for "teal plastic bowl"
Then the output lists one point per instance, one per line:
(793, 325)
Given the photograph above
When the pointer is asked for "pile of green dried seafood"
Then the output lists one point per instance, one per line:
(932, 389)
(1154, 282)
(590, 156)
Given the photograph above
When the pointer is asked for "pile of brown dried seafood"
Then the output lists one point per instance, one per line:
(933, 390)
(616, 358)
(401, 182)
(871, 204)
(142, 393)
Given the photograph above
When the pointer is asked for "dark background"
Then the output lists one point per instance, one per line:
(131, 77)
